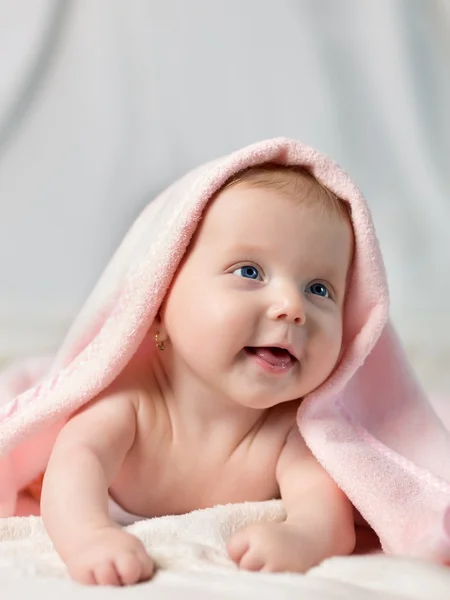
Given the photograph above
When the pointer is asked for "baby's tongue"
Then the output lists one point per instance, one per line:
(275, 356)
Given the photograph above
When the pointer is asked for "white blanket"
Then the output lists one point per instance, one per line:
(190, 551)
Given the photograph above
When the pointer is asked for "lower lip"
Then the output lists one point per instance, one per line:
(268, 367)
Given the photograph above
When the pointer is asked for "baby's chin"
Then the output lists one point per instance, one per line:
(264, 403)
(262, 398)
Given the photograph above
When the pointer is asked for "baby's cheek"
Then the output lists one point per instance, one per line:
(326, 352)
(230, 322)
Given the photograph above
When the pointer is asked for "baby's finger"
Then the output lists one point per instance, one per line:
(252, 561)
(82, 575)
(237, 546)
(106, 574)
(147, 567)
(128, 568)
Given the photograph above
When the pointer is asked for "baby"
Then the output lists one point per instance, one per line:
(205, 412)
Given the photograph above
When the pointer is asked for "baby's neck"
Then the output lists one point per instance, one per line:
(207, 416)
(199, 412)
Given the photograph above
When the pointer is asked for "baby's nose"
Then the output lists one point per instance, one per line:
(288, 306)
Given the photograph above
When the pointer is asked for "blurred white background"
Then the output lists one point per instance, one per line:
(105, 102)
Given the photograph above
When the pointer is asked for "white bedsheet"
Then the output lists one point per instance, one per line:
(190, 551)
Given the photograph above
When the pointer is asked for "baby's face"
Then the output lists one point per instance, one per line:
(255, 311)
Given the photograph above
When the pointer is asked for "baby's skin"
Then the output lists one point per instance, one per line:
(251, 324)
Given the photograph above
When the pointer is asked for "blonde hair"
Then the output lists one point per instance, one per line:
(291, 180)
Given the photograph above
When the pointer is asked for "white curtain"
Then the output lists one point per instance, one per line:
(104, 102)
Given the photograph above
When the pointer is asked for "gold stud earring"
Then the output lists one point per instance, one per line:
(159, 345)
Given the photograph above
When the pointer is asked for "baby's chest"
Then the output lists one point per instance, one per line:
(181, 480)
(246, 478)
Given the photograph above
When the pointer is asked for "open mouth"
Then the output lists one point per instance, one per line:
(276, 358)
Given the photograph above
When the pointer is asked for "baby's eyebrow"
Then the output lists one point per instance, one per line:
(326, 270)
(331, 271)
(335, 276)
(247, 248)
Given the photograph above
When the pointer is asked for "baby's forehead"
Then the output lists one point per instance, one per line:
(296, 182)
(258, 219)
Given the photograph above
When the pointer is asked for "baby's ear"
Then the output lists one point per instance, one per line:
(159, 328)
(156, 325)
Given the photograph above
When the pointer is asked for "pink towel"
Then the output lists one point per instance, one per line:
(369, 424)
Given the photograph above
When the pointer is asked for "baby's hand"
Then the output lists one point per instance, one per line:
(109, 556)
(271, 547)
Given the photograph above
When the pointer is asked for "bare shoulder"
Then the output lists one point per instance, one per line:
(118, 401)
(104, 420)
(294, 456)
(104, 430)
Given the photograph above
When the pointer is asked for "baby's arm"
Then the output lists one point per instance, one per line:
(319, 522)
(313, 502)
(85, 459)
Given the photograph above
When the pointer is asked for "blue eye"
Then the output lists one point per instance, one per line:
(248, 272)
(319, 289)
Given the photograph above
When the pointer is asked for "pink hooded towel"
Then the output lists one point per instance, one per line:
(370, 425)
